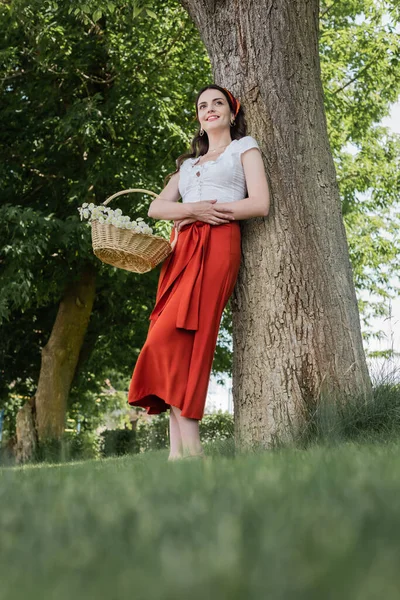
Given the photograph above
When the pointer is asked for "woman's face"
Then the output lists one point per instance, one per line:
(213, 110)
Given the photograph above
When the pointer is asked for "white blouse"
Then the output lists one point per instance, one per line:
(222, 179)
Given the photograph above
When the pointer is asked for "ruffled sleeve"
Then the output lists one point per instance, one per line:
(245, 143)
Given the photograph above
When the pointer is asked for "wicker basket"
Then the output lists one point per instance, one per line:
(126, 249)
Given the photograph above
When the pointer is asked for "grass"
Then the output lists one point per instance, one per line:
(317, 523)
(317, 519)
(356, 419)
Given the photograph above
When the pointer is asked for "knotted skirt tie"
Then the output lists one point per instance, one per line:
(187, 263)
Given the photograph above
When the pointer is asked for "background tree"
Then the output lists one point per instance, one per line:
(360, 60)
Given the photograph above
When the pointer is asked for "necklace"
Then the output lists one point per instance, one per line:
(197, 160)
(217, 148)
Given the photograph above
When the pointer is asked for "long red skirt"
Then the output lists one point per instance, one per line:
(195, 284)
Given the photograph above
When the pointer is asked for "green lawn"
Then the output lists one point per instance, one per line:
(320, 523)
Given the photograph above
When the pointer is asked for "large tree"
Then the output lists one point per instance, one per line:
(296, 325)
(99, 95)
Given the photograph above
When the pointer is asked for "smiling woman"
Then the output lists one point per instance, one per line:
(220, 182)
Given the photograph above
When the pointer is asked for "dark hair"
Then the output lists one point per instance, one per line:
(199, 144)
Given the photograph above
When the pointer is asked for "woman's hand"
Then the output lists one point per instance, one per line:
(179, 223)
(208, 212)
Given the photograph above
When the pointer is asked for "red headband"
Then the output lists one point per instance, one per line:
(234, 101)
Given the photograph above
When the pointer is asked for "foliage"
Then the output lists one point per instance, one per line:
(117, 442)
(335, 421)
(216, 426)
(154, 434)
(90, 109)
(85, 445)
(360, 60)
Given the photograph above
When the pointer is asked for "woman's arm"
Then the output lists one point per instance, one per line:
(166, 205)
(258, 201)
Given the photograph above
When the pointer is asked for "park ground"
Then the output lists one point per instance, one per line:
(321, 522)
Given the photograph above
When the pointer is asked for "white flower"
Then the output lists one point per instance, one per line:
(106, 215)
(95, 213)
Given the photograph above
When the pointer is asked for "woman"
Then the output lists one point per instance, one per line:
(198, 277)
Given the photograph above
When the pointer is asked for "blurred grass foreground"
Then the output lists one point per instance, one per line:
(318, 519)
(319, 523)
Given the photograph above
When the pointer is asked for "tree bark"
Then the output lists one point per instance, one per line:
(26, 434)
(60, 356)
(296, 326)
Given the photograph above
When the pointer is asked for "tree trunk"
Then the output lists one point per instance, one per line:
(296, 327)
(60, 356)
(26, 434)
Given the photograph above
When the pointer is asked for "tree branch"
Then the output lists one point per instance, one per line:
(360, 72)
(95, 79)
(324, 12)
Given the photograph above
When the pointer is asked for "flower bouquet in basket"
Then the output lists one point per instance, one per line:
(123, 243)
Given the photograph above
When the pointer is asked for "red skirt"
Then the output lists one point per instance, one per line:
(196, 281)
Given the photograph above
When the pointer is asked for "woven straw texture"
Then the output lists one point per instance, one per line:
(126, 249)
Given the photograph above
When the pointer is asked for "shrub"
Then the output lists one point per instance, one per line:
(334, 421)
(84, 445)
(117, 442)
(154, 434)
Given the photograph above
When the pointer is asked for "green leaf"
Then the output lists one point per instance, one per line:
(97, 15)
(151, 13)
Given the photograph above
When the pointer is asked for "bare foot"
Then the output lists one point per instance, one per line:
(172, 457)
(196, 455)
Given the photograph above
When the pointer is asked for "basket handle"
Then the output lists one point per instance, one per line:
(128, 192)
(173, 243)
